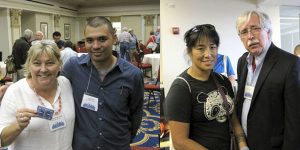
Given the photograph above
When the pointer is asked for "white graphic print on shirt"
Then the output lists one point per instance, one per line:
(213, 105)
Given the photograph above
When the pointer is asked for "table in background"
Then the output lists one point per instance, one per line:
(154, 60)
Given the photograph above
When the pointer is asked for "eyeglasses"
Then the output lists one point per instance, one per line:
(253, 30)
(202, 27)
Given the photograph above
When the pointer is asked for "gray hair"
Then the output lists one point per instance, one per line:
(264, 20)
(28, 34)
(124, 29)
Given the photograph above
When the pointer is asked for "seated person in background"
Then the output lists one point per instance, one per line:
(152, 38)
(297, 50)
(224, 67)
(21, 126)
(81, 46)
(67, 52)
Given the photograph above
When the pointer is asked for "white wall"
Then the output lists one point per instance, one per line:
(5, 33)
(45, 18)
(186, 14)
(133, 22)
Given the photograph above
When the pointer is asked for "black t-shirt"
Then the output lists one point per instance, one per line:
(202, 108)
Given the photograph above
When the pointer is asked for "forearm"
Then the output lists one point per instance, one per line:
(232, 80)
(238, 132)
(9, 134)
(188, 144)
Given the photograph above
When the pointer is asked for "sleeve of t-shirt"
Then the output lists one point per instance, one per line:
(230, 70)
(178, 102)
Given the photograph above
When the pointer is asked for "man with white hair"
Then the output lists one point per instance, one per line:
(124, 39)
(38, 36)
(268, 94)
(19, 52)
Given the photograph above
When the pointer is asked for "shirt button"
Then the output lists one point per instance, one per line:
(101, 88)
(100, 103)
(100, 133)
(100, 119)
(98, 147)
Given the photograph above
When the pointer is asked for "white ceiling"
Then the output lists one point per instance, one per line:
(289, 9)
(80, 4)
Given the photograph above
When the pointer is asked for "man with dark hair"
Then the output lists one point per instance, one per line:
(56, 37)
(108, 92)
(19, 52)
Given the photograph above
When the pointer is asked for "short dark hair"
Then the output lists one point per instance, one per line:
(56, 33)
(192, 36)
(60, 44)
(99, 21)
(68, 44)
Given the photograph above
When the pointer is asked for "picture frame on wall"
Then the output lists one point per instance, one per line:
(67, 31)
(44, 29)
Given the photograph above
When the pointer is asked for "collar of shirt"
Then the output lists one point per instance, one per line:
(259, 59)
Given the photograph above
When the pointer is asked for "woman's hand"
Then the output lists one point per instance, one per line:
(23, 117)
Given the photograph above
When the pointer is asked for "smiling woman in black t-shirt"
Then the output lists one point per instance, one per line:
(194, 107)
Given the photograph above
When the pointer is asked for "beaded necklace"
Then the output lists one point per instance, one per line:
(53, 106)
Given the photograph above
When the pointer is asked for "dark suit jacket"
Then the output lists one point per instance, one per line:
(274, 115)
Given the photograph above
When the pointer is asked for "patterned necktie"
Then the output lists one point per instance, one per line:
(253, 64)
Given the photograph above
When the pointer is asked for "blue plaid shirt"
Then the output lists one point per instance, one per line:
(120, 101)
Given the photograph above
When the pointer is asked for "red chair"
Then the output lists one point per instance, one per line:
(145, 49)
(153, 87)
(139, 63)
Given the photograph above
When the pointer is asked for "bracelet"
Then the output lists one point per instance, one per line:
(244, 148)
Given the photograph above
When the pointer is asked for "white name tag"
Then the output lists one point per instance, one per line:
(57, 122)
(248, 92)
(89, 102)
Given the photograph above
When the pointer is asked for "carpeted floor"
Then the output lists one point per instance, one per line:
(148, 134)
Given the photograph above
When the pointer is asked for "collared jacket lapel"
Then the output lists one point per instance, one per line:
(269, 62)
(242, 72)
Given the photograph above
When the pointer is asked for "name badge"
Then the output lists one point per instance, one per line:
(57, 122)
(249, 90)
(89, 102)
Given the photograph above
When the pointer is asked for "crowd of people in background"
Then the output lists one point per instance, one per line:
(126, 45)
